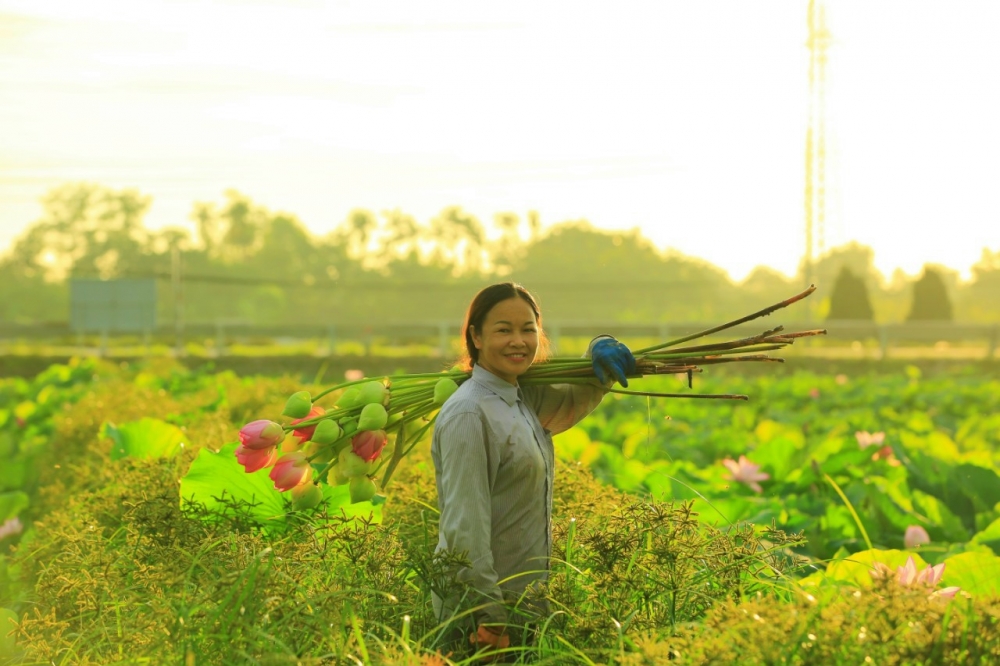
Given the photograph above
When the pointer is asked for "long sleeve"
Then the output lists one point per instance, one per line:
(466, 473)
(562, 406)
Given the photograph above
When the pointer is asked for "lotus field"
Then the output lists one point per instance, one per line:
(151, 514)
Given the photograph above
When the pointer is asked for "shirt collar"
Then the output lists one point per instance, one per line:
(508, 392)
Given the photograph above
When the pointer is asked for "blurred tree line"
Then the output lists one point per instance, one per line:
(244, 262)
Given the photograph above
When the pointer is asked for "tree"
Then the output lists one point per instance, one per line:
(980, 299)
(585, 273)
(233, 233)
(930, 298)
(765, 286)
(85, 229)
(849, 299)
(459, 240)
(506, 252)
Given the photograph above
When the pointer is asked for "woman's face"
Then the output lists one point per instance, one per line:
(508, 339)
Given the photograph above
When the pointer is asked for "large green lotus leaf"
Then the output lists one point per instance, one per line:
(8, 648)
(944, 525)
(893, 501)
(723, 511)
(574, 445)
(214, 478)
(778, 447)
(856, 569)
(145, 438)
(977, 572)
(217, 480)
(979, 484)
(989, 536)
(338, 500)
(25, 410)
(12, 504)
(13, 474)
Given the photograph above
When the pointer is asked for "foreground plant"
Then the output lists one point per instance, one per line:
(375, 422)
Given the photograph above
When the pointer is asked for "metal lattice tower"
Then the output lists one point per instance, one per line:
(815, 185)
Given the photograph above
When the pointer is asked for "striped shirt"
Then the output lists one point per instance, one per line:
(494, 459)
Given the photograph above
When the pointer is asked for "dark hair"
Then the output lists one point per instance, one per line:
(481, 306)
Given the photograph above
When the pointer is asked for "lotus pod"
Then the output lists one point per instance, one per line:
(443, 389)
(327, 432)
(362, 489)
(306, 496)
(373, 392)
(373, 417)
(351, 464)
(350, 398)
(298, 405)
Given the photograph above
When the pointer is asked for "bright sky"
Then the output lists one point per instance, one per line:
(685, 119)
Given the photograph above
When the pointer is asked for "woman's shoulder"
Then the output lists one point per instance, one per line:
(464, 400)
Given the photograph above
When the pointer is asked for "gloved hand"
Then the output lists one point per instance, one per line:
(612, 358)
(490, 637)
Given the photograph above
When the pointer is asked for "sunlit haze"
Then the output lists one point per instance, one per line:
(684, 119)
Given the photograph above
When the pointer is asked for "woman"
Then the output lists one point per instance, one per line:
(493, 456)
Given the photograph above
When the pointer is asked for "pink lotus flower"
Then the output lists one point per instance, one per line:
(262, 434)
(255, 459)
(908, 575)
(915, 536)
(305, 434)
(11, 527)
(354, 374)
(291, 470)
(368, 444)
(814, 393)
(866, 439)
(746, 472)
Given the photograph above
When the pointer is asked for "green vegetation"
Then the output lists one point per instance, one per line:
(659, 553)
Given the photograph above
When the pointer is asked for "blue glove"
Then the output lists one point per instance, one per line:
(611, 357)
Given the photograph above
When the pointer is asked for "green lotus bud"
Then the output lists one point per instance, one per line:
(336, 476)
(351, 464)
(306, 496)
(327, 432)
(373, 392)
(350, 398)
(362, 489)
(349, 426)
(373, 417)
(298, 405)
(443, 389)
(319, 453)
